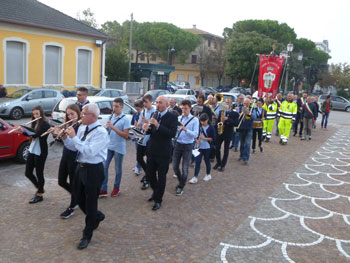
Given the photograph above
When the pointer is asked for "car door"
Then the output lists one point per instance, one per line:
(341, 103)
(34, 98)
(335, 102)
(6, 141)
(50, 99)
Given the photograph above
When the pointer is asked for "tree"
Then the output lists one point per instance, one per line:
(218, 59)
(341, 74)
(117, 63)
(88, 17)
(203, 61)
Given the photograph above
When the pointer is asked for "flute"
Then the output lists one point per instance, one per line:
(19, 127)
(59, 126)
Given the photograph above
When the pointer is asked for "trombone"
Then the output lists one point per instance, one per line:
(246, 114)
(59, 126)
(19, 127)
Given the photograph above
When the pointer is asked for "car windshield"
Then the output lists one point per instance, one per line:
(17, 93)
(62, 106)
(181, 91)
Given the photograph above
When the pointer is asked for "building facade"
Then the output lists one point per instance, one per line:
(42, 47)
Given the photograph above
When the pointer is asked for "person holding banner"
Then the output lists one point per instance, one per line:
(308, 114)
(286, 113)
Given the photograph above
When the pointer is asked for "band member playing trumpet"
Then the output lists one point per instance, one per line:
(224, 133)
(142, 147)
(118, 129)
(245, 128)
(187, 133)
(258, 124)
(91, 142)
(37, 152)
(162, 129)
(68, 162)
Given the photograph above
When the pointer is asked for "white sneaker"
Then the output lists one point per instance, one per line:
(194, 180)
(174, 175)
(207, 177)
(137, 171)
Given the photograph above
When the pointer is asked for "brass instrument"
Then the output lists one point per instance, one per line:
(29, 122)
(219, 98)
(247, 114)
(51, 130)
(221, 124)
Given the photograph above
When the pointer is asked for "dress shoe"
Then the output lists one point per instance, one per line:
(150, 199)
(216, 166)
(253, 150)
(99, 221)
(156, 206)
(221, 169)
(267, 140)
(261, 149)
(36, 199)
(83, 243)
(145, 186)
(294, 134)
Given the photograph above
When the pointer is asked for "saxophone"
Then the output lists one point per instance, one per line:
(221, 123)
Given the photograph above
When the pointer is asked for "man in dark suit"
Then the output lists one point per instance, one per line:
(173, 107)
(162, 127)
(82, 100)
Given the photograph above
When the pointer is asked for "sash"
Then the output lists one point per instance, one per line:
(302, 101)
(308, 109)
(278, 102)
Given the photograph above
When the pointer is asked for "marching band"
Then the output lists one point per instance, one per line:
(164, 134)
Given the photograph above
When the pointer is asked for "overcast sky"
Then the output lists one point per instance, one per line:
(312, 19)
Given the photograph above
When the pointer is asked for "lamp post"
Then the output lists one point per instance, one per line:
(290, 47)
(170, 53)
(300, 58)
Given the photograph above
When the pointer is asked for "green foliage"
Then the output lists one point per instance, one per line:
(88, 18)
(117, 63)
(341, 73)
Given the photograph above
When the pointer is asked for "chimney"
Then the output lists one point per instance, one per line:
(194, 26)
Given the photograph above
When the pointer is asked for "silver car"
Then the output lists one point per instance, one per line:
(112, 93)
(21, 102)
(339, 103)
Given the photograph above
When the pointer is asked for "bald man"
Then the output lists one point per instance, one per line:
(173, 107)
(162, 127)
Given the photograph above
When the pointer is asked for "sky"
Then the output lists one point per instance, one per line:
(315, 20)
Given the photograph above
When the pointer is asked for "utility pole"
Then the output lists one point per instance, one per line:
(130, 45)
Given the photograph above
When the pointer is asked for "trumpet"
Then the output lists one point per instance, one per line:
(29, 122)
(59, 126)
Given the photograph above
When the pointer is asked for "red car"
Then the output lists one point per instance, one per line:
(14, 144)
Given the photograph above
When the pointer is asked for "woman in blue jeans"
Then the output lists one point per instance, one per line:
(206, 137)
(326, 108)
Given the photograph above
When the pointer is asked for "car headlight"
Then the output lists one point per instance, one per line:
(3, 105)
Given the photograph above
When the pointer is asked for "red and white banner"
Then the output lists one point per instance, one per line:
(269, 74)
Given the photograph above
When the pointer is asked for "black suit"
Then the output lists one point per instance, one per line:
(159, 148)
(176, 108)
(299, 118)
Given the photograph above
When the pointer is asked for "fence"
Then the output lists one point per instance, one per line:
(128, 87)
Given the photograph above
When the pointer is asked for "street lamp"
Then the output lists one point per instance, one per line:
(170, 52)
(300, 58)
(290, 47)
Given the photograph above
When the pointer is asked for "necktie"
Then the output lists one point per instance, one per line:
(159, 117)
(85, 133)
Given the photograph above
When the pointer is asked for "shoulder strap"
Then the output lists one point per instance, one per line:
(118, 120)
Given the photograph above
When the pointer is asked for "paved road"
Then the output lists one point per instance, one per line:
(207, 223)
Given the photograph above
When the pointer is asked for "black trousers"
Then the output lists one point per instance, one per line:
(219, 140)
(140, 153)
(67, 169)
(37, 162)
(157, 168)
(87, 184)
(297, 121)
(255, 133)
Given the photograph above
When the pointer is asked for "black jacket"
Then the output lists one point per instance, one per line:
(159, 144)
(43, 140)
(178, 109)
(233, 120)
(306, 114)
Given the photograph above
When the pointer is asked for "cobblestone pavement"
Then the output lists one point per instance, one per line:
(190, 227)
(306, 220)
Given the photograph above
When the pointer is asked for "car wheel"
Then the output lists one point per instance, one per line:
(22, 152)
(16, 113)
(347, 109)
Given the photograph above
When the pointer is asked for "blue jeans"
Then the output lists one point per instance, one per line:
(118, 161)
(235, 139)
(246, 138)
(324, 116)
(183, 151)
(206, 154)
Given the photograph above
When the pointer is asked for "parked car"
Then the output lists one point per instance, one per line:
(207, 90)
(180, 97)
(232, 96)
(104, 103)
(14, 144)
(223, 88)
(182, 84)
(185, 92)
(20, 102)
(155, 93)
(237, 90)
(172, 87)
(112, 93)
(339, 103)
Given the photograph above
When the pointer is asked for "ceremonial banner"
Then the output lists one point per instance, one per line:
(269, 74)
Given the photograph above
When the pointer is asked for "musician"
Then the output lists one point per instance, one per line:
(235, 137)
(247, 116)
(162, 129)
(229, 119)
(205, 139)
(187, 133)
(206, 109)
(91, 142)
(258, 124)
(173, 107)
(138, 105)
(37, 152)
(142, 147)
(308, 117)
(82, 94)
(300, 104)
(213, 103)
(68, 162)
(118, 129)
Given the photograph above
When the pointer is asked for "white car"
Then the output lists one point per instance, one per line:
(230, 95)
(113, 93)
(185, 92)
(178, 98)
(104, 103)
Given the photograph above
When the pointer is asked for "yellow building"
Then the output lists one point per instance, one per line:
(42, 47)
